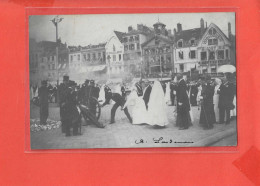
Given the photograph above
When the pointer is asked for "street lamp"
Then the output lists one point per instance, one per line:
(56, 20)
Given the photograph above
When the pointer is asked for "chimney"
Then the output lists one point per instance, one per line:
(140, 27)
(229, 30)
(169, 32)
(202, 24)
(130, 28)
(179, 27)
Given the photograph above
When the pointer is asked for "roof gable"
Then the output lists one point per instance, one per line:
(219, 35)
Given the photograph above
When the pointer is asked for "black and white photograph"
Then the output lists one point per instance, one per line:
(132, 80)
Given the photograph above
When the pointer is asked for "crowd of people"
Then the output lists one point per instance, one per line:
(215, 98)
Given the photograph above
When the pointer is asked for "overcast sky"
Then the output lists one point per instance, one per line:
(96, 28)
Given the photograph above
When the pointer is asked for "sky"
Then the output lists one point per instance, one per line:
(97, 28)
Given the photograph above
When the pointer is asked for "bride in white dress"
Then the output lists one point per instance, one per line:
(139, 113)
(157, 113)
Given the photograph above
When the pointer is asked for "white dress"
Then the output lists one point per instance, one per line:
(101, 98)
(168, 94)
(157, 113)
(215, 102)
(139, 113)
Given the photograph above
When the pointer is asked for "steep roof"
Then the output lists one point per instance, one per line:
(119, 35)
(187, 35)
(163, 38)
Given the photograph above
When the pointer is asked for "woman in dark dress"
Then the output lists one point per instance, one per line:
(207, 115)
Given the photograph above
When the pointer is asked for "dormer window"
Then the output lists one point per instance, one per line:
(180, 44)
(192, 42)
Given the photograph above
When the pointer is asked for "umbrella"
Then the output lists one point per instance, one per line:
(227, 68)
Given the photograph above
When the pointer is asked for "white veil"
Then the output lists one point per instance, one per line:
(157, 106)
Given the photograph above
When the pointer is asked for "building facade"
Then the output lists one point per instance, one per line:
(114, 55)
(214, 50)
(132, 47)
(158, 52)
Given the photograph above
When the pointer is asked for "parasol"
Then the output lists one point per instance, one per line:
(227, 69)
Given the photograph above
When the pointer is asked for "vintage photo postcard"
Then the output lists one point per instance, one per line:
(132, 80)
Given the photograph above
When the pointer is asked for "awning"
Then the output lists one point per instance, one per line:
(92, 68)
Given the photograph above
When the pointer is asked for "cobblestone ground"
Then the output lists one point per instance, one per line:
(122, 134)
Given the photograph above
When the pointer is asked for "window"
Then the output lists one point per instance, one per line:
(85, 57)
(203, 55)
(213, 41)
(114, 57)
(212, 31)
(137, 38)
(192, 54)
(181, 67)
(192, 42)
(71, 58)
(78, 56)
(132, 46)
(88, 57)
(125, 39)
(126, 47)
(211, 55)
(99, 55)
(52, 58)
(180, 54)
(220, 54)
(227, 54)
(180, 44)
(119, 57)
(138, 46)
(53, 66)
(131, 39)
(213, 70)
(94, 56)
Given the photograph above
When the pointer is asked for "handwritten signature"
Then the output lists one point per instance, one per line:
(160, 140)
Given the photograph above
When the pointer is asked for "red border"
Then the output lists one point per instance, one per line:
(106, 168)
(67, 11)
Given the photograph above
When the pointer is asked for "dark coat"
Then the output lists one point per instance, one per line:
(226, 95)
(147, 93)
(44, 104)
(193, 95)
(139, 89)
(115, 97)
(207, 114)
(182, 97)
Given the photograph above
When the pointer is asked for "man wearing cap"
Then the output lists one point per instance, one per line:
(119, 101)
(44, 104)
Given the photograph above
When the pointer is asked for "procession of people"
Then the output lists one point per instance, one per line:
(148, 100)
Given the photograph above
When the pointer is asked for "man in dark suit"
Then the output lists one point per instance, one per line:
(119, 101)
(44, 104)
(226, 95)
(139, 89)
(183, 105)
(147, 93)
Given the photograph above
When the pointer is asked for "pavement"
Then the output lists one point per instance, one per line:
(123, 134)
